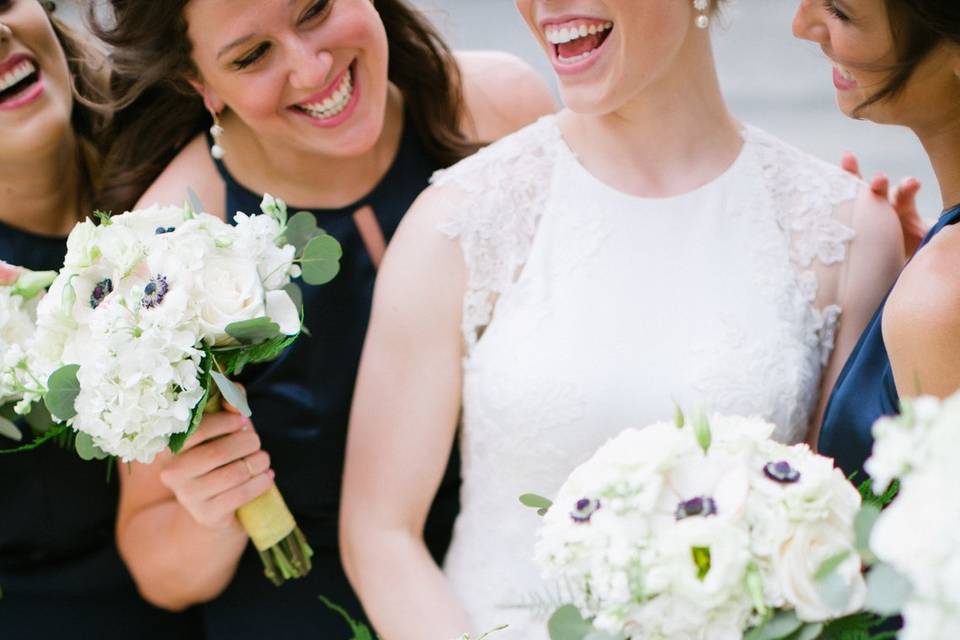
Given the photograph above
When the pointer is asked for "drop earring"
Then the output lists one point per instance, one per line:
(703, 20)
(216, 132)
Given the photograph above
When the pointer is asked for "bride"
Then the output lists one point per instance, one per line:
(640, 248)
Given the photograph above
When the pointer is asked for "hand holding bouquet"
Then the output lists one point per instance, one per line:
(151, 313)
(702, 531)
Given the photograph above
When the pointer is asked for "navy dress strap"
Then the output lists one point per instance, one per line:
(60, 572)
(301, 408)
(865, 390)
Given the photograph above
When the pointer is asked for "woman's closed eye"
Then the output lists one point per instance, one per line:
(258, 52)
(316, 9)
(835, 11)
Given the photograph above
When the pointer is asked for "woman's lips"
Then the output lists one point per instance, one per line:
(842, 80)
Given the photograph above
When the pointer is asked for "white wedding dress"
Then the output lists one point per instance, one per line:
(589, 311)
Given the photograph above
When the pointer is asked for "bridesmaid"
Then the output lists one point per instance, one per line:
(343, 108)
(60, 573)
(898, 62)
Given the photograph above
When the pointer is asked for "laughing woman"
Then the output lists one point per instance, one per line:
(577, 278)
(60, 573)
(343, 108)
(898, 62)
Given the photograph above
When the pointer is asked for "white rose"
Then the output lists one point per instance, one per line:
(80, 245)
(801, 558)
(120, 247)
(228, 290)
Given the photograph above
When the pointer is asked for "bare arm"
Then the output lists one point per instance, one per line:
(402, 428)
(873, 262)
(493, 113)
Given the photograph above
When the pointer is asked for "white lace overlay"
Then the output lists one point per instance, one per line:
(610, 308)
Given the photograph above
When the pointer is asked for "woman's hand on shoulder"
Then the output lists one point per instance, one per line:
(192, 168)
(502, 94)
(921, 323)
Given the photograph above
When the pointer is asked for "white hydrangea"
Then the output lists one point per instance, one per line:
(139, 298)
(918, 534)
(656, 538)
(17, 327)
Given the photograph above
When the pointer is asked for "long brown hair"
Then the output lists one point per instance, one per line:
(158, 112)
(88, 77)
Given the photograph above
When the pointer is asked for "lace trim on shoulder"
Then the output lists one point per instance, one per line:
(506, 187)
(808, 195)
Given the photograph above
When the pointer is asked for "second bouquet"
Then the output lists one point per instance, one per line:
(152, 312)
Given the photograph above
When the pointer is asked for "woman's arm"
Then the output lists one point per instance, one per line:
(402, 428)
(874, 259)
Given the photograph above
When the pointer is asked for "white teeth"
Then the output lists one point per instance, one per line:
(568, 34)
(17, 74)
(844, 73)
(335, 104)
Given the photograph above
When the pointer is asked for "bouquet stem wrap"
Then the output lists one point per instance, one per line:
(267, 520)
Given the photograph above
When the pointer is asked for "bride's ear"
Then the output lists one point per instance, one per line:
(211, 100)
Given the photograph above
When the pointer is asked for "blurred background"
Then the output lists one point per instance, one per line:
(771, 80)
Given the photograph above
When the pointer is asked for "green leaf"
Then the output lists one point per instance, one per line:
(701, 558)
(532, 500)
(887, 590)
(233, 360)
(103, 218)
(863, 525)
(232, 393)
(809, 631)
(177, 440)
(301, 229)
(834, 591)
(678, 418)
(321, 260)
(10, 430)
(828, 566)
(62, 391)
(52, 434)
(30, 283)
(701, 427)
(253, 331)
(360, 631)
(39, 418)
(296, 294)
(781, 625)
(567, 624)
(194, 205)
(86, 449)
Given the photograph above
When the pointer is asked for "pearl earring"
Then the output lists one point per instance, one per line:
(703, 20)
(216, 131)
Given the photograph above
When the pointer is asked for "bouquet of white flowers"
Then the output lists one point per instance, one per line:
(152, 310)
(701, 531)
(20, 292)
(915, 539)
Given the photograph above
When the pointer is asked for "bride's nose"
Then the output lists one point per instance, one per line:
(309, 68)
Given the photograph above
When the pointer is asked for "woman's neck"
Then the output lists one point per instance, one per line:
(312, 180)
(40, 193)
(942, 145)
(673, 137)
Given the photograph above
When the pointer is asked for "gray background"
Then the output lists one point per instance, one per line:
(771, 79)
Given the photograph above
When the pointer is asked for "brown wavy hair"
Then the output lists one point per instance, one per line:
(89, 120)
(157, 112)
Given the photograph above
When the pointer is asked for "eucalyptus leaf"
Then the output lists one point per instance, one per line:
(532, 500)
(834, 591)
(831, 564)
(232, 393)
(863, 525)
(887, 590)
(39, 418)
(810, 631)
(10, 430)
(195, 205)
(253, 331)
(301, 229)
(296, 294)
(62, 391)
(781, 625)
(321, 260)
(567, 624)
(86, 449)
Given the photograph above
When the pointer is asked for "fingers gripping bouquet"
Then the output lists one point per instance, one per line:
(20, 292)
(152, 312)
(699, 531)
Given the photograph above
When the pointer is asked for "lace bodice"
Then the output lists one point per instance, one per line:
(588, 311)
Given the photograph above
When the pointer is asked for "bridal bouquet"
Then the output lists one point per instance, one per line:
(915, 539)
(702, 530)
(151, 313)
(20, 292)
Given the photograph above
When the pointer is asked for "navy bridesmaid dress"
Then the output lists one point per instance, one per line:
(60, 573)
(865, 390)
(301, 407)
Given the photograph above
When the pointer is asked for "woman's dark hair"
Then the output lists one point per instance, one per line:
(157, 112)
(918, 26)
(89, 82)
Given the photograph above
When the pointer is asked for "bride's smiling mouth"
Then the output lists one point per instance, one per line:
(576, 43)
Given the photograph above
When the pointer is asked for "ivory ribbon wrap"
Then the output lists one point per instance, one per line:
(267, 520)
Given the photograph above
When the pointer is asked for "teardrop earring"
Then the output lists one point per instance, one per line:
(703, 20)
(216, 132)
